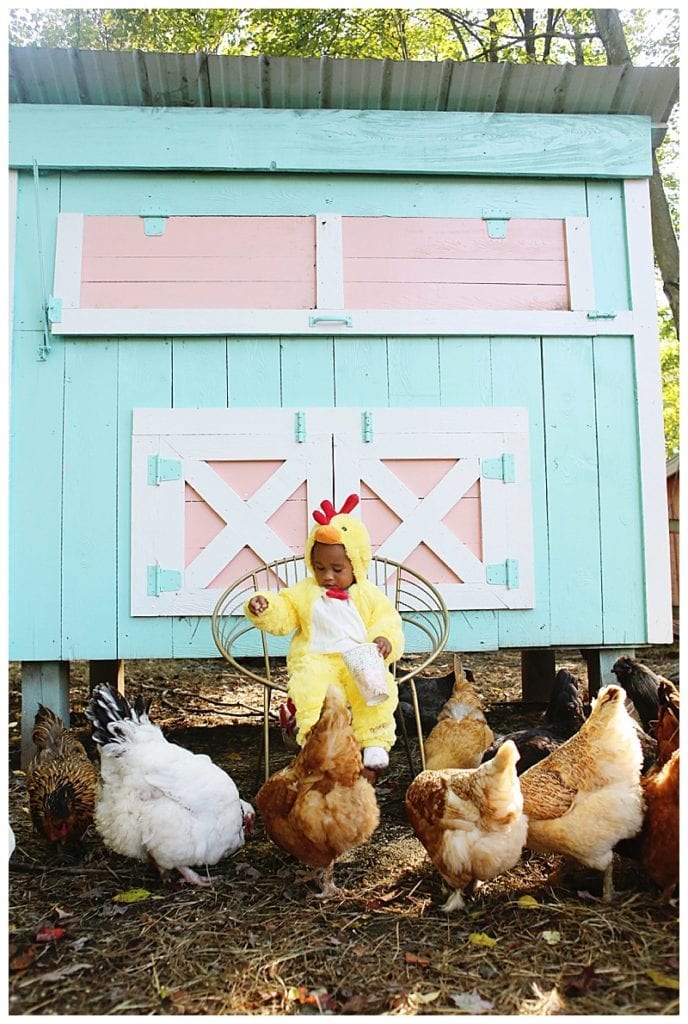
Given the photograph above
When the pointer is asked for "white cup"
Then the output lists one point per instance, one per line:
(367, 667)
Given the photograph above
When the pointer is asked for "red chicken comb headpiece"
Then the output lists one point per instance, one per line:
(329, 511)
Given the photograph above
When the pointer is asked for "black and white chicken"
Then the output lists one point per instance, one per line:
(157, 800)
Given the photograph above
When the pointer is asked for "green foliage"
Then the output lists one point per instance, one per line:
(669, 358)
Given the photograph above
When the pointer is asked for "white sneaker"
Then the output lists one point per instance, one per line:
(375, 758)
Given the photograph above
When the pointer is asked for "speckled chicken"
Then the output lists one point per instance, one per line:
(586, 796)
(60, 780)
(321, 806)
(470, 820)
(159, 801)
(462, 732)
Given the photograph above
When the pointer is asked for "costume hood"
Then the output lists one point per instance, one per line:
(334, 527)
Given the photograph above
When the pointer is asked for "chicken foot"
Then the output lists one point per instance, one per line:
(327, 887)
(188, 874)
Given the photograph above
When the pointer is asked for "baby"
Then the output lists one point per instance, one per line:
(334, 610)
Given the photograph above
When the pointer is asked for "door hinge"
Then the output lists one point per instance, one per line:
(161, 580)
(502, 468)
(496, 221)
(154, 225)
(503, 574)
(160, 470)
(300, 427)
(367, 426)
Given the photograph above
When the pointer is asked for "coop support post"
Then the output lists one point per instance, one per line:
(47, 683)
(537, 675)
(108, 673)
(600, 663)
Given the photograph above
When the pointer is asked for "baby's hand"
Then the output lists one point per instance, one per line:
(383, 645)
(257, 604)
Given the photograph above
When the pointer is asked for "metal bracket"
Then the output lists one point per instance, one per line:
(315, 319)
(496, 221)
(367, 426)
(501, 468)
(154, 225)
(161, 470)
(160, 581)
(300, 427)
(503, 574)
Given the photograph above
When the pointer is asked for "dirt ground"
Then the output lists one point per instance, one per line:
(261, 941)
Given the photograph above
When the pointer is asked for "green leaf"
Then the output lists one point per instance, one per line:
(131, 896)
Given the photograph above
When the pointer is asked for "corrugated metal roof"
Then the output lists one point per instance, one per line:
(136, 78)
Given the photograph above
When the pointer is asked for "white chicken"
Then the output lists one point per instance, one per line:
(158, 801)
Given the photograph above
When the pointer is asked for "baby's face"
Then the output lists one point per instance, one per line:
(331, 566)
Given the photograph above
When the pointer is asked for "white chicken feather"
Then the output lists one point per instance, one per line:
(157, 800)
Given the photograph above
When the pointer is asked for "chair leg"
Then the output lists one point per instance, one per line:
(419, 727)
(404, 735)
(267, 693)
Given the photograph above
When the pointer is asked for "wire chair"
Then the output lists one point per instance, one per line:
(420, 605)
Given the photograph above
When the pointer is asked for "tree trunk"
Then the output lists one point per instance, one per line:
(663, 236)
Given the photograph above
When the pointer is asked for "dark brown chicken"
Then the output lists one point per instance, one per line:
(562, 719)
(61, 781)
(642, 686)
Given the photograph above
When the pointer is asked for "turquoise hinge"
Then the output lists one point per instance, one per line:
(600, 314)
(496, 221)
(162, 580)
(501, 468)
(503, 574)
(367, 426)
(160, 470)
(154, 225)
(299, 427)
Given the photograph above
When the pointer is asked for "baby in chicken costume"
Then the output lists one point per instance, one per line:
(334, 609)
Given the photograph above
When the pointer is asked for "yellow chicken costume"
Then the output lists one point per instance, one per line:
(311, 666)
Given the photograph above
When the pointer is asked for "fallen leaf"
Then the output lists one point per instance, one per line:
(663, 980)
(481, 939)
(585, 981)
(131, 896)
(57, 975)
(528, 901)
(417, 959)
(551, 938)
(234, 757)
(22, 961)
(46, 933)
(424, 997)
(470, 1002)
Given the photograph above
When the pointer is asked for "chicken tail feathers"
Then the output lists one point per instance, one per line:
(48, 730)
(108, 710)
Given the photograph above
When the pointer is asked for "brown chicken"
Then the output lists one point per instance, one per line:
(470, 820)
(585, 796)
(321, 806)
(462, 733)
(61, 781)
(656, 847)
(666, 731)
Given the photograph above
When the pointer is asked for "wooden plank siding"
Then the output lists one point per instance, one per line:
(63, 457)
(330, 141)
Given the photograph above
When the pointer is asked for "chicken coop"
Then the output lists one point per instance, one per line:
(241, 285)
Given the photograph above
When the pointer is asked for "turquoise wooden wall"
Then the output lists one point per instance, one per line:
(70, 452)
(71, 415)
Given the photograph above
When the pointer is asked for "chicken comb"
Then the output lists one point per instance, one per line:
(329, 511)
